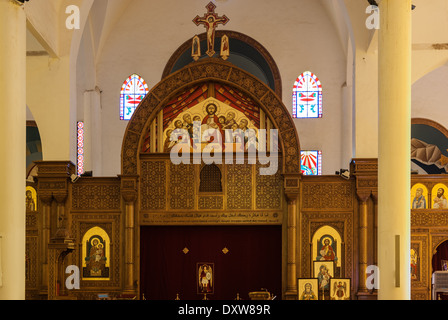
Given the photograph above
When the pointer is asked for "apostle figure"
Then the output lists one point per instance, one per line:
(419, 201)
(169, 144)
(230, 120)
(225, 47)
(30, 204)
(196, 49)
(440, 201)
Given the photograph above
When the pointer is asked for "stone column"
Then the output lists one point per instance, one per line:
(394, 52)
(12, 144)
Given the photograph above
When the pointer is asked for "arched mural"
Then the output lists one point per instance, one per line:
(220, 73)
(96, 255)
(327, 245)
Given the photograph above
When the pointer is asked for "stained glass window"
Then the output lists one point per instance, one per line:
(311, 162)
(307, 97)
(80, 144)
(133, 91)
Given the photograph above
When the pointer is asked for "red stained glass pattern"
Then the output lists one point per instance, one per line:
(80, 144)
(133, 91)
(307, 96)
(311, 162)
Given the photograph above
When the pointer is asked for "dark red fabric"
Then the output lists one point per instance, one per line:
(441, 254)
(253, 261)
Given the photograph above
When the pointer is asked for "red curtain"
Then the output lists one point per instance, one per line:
(252, 262)
(441, 254)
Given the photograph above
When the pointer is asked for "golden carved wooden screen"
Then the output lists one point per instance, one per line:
(210, 179)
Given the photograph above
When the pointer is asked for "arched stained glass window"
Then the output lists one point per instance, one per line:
(80, 138)
(133, 91)
(307, 97)
(311, 162)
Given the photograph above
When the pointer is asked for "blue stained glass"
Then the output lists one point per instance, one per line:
(133, 91)
(307, 96)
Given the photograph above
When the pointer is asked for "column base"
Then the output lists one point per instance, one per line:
(367, 295)
(291, 295)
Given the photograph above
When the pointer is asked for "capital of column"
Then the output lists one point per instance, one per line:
(60, 197)
(129, 188)
(46, 198)
(129, 196)
(363, 196)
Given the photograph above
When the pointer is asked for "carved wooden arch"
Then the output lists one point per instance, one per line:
(437, 243)
(186, 46)
(217, 70)
(431, 123)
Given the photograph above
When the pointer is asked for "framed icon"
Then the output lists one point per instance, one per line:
(323, 271)
(205, 278)
(339, 289)
(307, 289)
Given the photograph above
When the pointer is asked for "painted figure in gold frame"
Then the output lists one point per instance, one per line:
(419, 197)
(340, 289)
(96, 255)
(439, 200)
(414, 264)
(205, 279)
(306, 289)
(30, 199)
(96, 258)
(324, 271)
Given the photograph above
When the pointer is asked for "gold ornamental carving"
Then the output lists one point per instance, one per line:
(213, 218)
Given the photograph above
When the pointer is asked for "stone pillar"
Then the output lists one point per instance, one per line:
(394, 53)
(12, 144)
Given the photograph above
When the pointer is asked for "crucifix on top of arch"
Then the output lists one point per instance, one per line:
(210, 20)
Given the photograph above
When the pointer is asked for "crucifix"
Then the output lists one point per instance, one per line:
(210, 20)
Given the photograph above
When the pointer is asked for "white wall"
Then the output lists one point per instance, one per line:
(430, 96)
